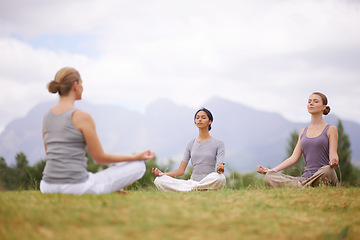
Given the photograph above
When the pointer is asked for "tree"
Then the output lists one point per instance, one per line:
(3, 164)
(3, 167)
(298, 168)
(345, 169)
(21, 161)
(21, 176)
(35, 175)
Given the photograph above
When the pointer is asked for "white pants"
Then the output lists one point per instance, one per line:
(212, 181)
(109, 180)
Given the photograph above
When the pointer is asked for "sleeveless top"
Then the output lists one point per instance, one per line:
(316, 151)
(204, 156)
(66, 147)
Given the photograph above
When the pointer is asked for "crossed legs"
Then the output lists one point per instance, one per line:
(325, 175)
(212, 181)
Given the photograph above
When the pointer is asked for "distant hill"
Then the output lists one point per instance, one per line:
(251, 137)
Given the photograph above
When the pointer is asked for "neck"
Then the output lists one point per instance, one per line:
(316, 120)
(204, 135)
(66, 101)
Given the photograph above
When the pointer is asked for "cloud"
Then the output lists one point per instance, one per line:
(24, 74)
(269, 55)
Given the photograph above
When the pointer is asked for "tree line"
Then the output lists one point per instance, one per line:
(25, 177)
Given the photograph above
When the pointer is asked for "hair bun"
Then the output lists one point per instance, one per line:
(327, 110)
(53, 86)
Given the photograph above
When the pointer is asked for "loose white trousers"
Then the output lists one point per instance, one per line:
(109, 180)
(212, 181)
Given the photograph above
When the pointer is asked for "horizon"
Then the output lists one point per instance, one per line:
(143, 110)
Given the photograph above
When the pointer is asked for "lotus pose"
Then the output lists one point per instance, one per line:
(67, 133)
(206, 154)
(318, 143)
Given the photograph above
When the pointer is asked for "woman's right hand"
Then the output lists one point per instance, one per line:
(157, 172)
(262, 170)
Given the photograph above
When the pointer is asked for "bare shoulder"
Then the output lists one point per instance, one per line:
(81, 118)
(332, 130)
(301, 132)
(79, 114)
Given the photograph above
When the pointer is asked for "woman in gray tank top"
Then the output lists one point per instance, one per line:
(206, 154)
(318, 143)
(67, 133)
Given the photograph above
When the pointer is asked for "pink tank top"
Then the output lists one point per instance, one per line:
(315, 150)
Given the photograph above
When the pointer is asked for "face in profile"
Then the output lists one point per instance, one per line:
(79, 89)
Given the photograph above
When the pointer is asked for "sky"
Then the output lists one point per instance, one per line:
(268, 55)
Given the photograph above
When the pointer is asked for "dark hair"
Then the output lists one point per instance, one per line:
(324, 101)
(208, 113)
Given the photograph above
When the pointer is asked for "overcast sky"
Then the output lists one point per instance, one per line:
(270, 55)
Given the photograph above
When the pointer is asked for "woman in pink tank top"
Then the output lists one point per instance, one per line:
(318, 143)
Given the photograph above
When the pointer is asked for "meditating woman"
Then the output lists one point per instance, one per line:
(67, 133)
(206, 154)
(318, 142)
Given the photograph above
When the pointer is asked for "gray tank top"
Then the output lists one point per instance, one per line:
(316, 151)
(65, 155)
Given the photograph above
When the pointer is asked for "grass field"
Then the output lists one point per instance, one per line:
(312, 213)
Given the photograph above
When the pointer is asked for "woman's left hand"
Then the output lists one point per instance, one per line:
(334, 162)
(262, 170)
(157, 172)
(220, 168)
(145, 155)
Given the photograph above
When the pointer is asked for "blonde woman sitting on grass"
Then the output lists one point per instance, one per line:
(68, 132)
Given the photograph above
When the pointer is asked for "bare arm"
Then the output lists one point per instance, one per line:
(295, 156)
(84, 122)
(333, 142)
(175, 173)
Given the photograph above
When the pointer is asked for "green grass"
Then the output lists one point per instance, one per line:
(312, 213)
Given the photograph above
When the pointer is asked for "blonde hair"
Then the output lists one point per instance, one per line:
(324, 101)
(64, 80)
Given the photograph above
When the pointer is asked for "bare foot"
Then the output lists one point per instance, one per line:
(121, 192)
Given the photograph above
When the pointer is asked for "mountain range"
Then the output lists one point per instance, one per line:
(251, 137)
